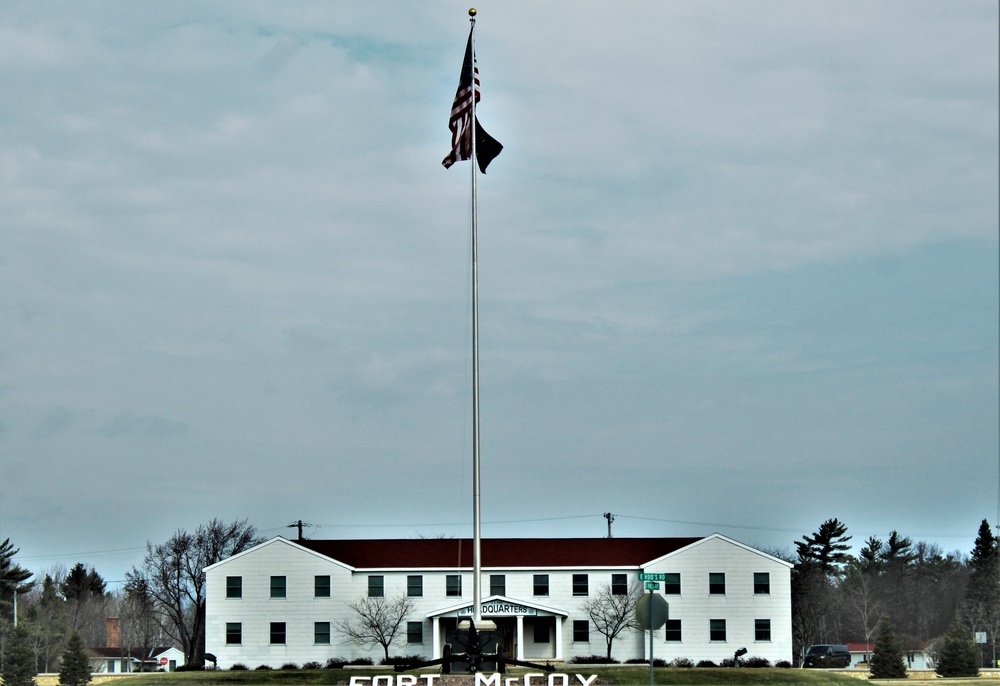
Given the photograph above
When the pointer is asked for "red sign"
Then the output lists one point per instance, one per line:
(163, 662)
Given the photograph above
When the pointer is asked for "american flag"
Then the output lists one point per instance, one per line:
(460, 121)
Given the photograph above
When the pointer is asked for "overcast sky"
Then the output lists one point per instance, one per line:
(738, 271)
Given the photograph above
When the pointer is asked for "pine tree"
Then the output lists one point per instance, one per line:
(18, 659)
(959, 655)
(887, 658)
(75, 668)
(14, 579)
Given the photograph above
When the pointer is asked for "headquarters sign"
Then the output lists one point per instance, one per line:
(500, 609)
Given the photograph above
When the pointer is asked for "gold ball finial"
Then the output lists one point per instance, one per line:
(472, 11)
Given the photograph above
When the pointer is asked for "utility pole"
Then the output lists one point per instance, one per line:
(298, 525)
(610, 517)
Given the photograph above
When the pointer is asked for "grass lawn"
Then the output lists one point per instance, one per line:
(620, 676)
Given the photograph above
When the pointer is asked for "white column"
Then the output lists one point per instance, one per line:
(435, 638)
(520, 638)
(559, 639)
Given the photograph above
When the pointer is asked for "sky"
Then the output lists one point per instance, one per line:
(738, 271)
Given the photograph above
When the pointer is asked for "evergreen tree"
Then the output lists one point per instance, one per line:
(18, 667)
(821, 560)
(75, 668)
(13, 579)
(959, 656)
(982, 595)
(887, 658)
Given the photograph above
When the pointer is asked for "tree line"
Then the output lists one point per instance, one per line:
(837, 597)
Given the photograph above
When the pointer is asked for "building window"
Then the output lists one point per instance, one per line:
(277, 633)
(717, 630)
(498, 584)
(322, 587)
(717, 583)
(672, 584)
(234, 633)
(619, 584)
(321, 633)
(761, 583)
(762, 629)
(541, 584)
(234, 586)
(111, 666)
(580, 584)
(581, 631)
(541, 632)
(453, 585)
(277, 587)
(414, 632)
(376, 586)
(415, 586)
(673, 631)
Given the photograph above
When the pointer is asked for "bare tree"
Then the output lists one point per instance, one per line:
(174, 576)
(613, 614)
(138, 630)
(378, 622)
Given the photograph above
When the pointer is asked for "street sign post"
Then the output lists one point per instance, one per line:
(651, 612)
(643, 576)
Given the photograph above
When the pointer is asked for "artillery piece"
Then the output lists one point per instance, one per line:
(475, 655)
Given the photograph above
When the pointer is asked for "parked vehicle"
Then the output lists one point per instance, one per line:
(827, 655)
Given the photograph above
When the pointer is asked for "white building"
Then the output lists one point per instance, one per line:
(282, 601)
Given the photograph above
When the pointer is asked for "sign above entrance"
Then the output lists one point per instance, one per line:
(498, 608)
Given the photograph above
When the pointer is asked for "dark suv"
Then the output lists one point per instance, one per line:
(827, 655)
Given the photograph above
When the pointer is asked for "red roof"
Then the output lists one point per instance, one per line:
(135, 653)
(498, 552)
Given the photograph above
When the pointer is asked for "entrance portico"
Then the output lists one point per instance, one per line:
(528, 631)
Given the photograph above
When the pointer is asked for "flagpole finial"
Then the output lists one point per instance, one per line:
(472, 11)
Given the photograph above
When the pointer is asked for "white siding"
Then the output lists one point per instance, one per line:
(300, 609)
(739, 606)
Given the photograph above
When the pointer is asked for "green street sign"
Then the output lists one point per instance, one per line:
(652, 577)
(652, 586)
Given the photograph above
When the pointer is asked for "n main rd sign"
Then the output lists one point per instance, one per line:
(652, 577)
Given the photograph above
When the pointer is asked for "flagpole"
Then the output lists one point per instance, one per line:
(476, 523)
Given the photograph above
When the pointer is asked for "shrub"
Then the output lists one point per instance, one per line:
(361, 661)
(959, 655)
(289, 666)
(706, 663)
(403, 660)
(312, 665)
(657, 662)
(263, 667)
(887, 657)
(755, 662)
(238, 667)
(75, 667)
(593, 660)
(335, 663)
(681, 663)
(18, 659)
(783, 664)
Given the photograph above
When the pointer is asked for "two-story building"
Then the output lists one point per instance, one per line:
(283, 601)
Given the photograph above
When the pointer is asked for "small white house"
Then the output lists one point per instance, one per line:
(282, 601)
(126, 661)
(861, 654)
